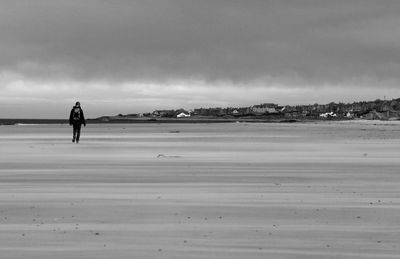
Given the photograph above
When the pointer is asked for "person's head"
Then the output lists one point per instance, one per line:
(78, 104)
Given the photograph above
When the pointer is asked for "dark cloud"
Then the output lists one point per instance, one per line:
(132, 56)
(214, 40)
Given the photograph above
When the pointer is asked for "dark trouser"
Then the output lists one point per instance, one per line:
(77, 131)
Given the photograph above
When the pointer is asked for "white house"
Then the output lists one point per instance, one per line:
(264, 108)
(182, 115)
(235, 112)
(328, 114)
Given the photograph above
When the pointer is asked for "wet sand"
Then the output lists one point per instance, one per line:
(237, 190)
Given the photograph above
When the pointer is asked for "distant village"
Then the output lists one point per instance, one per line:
(369, 110)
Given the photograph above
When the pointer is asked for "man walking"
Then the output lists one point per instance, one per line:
(76, 119)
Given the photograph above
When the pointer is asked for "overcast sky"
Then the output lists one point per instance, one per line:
(127, 56)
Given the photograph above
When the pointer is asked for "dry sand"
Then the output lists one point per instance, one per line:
(312, 190)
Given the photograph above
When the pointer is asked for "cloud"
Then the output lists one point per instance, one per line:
(179, 52)
(24, 97)
(211, 40)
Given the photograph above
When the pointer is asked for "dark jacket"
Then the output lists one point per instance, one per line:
(73, 119)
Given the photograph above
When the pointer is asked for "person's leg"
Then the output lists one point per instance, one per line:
(78, 132)
(74, 131)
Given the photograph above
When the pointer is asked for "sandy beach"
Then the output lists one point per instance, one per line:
(236, 190)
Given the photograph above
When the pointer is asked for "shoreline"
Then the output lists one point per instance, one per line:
(12, 121)
(4, 122)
